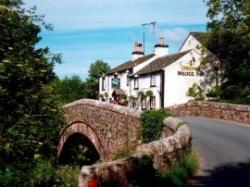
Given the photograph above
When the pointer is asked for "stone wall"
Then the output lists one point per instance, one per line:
(110, 127)
(234, 112)
(174, 142)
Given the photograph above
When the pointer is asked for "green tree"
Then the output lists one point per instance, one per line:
(91, 85)
(30, 117)
(70, 89)
(229, 40)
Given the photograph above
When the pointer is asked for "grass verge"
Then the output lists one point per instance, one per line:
(178, 175)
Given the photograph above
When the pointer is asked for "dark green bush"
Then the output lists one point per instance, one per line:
(43, 174)
(231, 91)
(9, 177)
(67, 176)
(175, 176)
(152, 124)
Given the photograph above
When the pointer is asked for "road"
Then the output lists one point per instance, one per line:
(224, 150)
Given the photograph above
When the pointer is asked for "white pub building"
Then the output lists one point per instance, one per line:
(156, 80)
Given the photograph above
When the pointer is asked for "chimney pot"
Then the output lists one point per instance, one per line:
(161, 49)
(138, 51)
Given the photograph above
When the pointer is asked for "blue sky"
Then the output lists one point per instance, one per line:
(87, 30)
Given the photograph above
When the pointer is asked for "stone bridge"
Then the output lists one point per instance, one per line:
(215, 110)
(107, 128)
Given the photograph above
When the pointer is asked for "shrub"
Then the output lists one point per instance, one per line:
(149, 93)
(10, 177)
(196, 92)
(152, 124)
(178, 175)
(43, 174)
(231, 92)
(67, 176)
(215, 92)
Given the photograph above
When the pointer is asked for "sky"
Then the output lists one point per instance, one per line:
(88, 30)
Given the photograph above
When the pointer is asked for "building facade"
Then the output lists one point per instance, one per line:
(159, 79)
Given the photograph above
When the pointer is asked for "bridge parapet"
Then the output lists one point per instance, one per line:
(165, 152)
(225, 111)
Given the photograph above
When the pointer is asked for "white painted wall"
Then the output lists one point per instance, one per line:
(191, 43)
(176, 86)
(161, 51)
(144, 86)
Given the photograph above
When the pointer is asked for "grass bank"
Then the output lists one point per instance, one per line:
(178, 175)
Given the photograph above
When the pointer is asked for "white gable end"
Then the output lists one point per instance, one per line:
(190, 43)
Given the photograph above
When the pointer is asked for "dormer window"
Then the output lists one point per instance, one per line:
(152, 81)
(136, 83)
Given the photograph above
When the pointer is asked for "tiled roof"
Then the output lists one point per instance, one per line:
(160, 63)
(130, 64)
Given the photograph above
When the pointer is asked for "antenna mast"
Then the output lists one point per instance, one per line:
(153, 24)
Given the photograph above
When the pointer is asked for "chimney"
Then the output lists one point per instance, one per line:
(161, 49)
(138, 51)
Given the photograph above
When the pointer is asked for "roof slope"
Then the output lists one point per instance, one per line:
(160, 63)
(200, 36)
(130, 64)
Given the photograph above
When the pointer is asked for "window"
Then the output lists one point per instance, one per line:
(103, 83)
(143, 103)
(152, 102)
(136, 83)
(193, 59)
(128, 79)
(153, 80)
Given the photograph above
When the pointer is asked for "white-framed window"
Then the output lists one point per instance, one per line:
(153, 80)
(136, 83)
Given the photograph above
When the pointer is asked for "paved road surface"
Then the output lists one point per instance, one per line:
(224, 148)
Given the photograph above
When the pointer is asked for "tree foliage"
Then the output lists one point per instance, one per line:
(229, 28)
(30, 116)
(69, 89)
(91, 85)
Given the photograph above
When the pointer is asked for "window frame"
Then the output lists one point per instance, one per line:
(143, 102)
(151, 99)
(153, 84)
(136, 83)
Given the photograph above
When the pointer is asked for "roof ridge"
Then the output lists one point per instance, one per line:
(130, 64)
(177, 53)
(169, 59)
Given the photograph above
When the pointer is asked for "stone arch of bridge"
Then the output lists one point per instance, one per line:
(78, 127)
